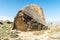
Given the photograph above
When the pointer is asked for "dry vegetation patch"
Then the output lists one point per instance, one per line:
(6, 33)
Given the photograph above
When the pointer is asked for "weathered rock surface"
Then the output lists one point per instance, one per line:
(19, 23)
(30, 17)
(35, 12)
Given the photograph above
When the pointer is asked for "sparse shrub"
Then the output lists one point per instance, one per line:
(18, 39)
(36, 39)
(9, 22)
(6, 31)
(1, 23)
(6, 39)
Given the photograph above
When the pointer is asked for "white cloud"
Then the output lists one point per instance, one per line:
(4, 18)
(53, 19)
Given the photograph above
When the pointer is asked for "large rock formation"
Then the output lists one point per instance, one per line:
(30, 17)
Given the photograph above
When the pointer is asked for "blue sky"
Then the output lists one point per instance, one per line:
(51, 8)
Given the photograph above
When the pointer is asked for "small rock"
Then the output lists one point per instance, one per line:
(56, 36)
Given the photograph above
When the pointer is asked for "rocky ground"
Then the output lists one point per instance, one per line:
(6, 33)
(53, 34)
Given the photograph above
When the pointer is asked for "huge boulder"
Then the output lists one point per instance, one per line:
(31, 17)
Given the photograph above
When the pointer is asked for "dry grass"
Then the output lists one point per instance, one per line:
(6, 33)
(39, 32)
